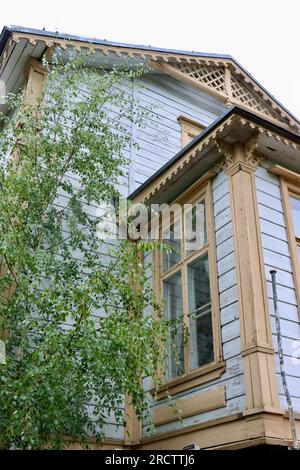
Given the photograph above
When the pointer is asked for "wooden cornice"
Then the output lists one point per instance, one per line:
(253, 157)
(221, 77)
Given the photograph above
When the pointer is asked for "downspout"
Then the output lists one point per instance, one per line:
(131, 174)
(295, 445)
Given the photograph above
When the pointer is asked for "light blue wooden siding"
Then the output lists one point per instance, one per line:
(277, 256)
(232, 379)
(160, 139)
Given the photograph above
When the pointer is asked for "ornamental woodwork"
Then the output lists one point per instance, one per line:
(249, 159)
(222, 77)
(222, 81)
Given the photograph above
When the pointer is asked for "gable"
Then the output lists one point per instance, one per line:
(218, 75)
(228, 83)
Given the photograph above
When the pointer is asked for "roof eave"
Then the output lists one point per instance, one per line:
(4, 37)
(7, 31)
(234, 110)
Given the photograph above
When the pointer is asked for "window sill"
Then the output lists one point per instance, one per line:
(202, 375)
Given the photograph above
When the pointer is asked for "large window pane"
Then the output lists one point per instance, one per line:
(195, 228)
(172, 289)
(201, 332)
(172, 238)
(295, 204)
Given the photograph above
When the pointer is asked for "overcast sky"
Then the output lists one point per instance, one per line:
(263, 35)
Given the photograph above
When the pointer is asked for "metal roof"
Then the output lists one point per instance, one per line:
(92, 40)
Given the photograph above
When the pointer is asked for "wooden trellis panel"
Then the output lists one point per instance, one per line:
(241, 93)
(219, 76)
(221, 81)
(211, 76)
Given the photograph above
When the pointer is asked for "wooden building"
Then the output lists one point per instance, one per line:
(223, 141)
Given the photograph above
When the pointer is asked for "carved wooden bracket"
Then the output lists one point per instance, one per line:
(241, 155)
(228, 156)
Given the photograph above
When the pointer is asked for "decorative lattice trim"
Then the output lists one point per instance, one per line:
(234, 85)
(241, 93)
(214, 77)
(210, 76)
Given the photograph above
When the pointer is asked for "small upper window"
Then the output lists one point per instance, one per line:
(189, 129)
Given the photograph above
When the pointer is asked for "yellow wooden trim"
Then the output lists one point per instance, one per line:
(290, 186)
(213, 275)
(167, 69)
(256, 337)
(187, 120)
(228, 86)
(229, 432)
(36, 80)
(212, 139)
(209, 433)
(267, 117)
(106, 444)
(253, 349)
(246, 443)
(193, 192)
(204, 374)
(233, 431)
(226, 96)
(153, 57)
(190, 406)
(288, 175)
(133, 427)
(189, 129)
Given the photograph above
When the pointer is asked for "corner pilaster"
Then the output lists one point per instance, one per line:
(239, 162)
(36, 80)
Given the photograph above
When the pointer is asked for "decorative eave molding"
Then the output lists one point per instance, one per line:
(253, 157)
(221, 77)
(261, 130)
(229, 163)
(190, 155)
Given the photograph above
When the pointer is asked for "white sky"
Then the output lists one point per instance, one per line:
(263, 35)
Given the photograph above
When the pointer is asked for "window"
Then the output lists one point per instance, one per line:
(189, 129)
(188, 286)
(295, 212)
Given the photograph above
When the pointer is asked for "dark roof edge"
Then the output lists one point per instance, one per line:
(233, 110)
(14, 28)
(92, 40)
(4, 37)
